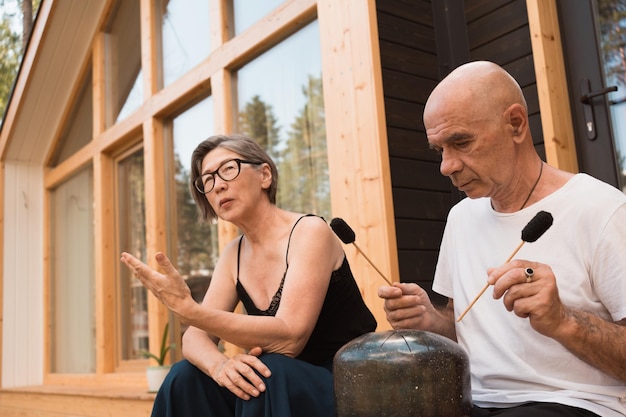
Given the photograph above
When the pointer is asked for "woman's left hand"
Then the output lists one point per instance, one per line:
(169, 288)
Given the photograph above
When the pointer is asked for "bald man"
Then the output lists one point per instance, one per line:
(549, 341)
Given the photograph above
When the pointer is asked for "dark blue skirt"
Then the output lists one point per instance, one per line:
(296, 388)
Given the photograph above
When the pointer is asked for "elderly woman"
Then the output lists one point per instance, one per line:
(291, 274)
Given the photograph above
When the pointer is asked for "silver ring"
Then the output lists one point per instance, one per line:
(529, 272)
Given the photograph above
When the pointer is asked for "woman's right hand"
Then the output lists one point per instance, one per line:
(239, 374)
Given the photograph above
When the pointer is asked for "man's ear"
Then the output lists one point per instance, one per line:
(517, 118)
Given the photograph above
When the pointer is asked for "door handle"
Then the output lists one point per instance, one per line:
(586, 98)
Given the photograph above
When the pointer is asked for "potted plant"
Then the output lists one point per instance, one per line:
(156, 374)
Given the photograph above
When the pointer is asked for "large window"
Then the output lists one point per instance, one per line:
(248, 12)
(185, 36)
(123, 61)
(131, 225)
(79, 126)
(130, 153)
(73, 343)
(285, 113)
(196, 242)
(611, 18)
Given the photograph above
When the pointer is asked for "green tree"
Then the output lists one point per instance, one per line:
(10, 53)
(12, 44)
(194, 237)
(301, 158)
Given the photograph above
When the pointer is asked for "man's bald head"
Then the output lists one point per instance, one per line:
(481, 87)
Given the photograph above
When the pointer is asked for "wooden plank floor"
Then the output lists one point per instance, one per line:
(75, 401)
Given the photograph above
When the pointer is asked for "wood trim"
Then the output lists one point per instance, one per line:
(129, 380)
(224, 111)
(358, 156)
(155, 158)
(150, 47)
(47, 285)
(554, 104)
(290, 15)
(2, 199)
(219, 12)
(98, 81)
(110, 141)
(105, 261)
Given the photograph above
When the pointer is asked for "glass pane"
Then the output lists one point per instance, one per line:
(248, 12)
(133, 304)
(123, 61)
(196, 244)
(185, 33)
(73, 333)
(612, 23)
(281, 105)
(79, 126)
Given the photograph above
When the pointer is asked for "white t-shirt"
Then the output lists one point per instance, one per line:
(510, 362)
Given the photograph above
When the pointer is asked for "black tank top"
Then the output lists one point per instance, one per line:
(344, 315)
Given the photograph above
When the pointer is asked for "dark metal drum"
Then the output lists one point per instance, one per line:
(402, 373)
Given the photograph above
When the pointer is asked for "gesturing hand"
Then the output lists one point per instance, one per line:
(169, 288)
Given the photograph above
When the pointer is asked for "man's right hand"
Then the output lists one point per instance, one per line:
(407, 306)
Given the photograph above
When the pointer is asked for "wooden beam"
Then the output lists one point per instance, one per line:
(150, 47)
(106, 262)
(2, 277)
(358, 156)
(98, 83)
(554, 104)
(156, 218)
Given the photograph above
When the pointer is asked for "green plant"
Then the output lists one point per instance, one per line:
(164, 348)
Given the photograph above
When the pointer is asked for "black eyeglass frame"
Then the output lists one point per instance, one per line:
(198, 183)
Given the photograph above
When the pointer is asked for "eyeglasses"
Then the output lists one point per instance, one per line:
(228, 171)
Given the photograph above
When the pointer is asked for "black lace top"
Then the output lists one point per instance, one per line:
(344, 315)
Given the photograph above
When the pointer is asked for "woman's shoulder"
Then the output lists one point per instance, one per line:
(310, 223)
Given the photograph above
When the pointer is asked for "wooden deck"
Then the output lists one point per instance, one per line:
(75, 401)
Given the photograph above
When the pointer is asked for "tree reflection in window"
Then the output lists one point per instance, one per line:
(285, 114)
(196, 242)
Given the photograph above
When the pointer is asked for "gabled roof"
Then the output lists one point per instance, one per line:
(56, 56)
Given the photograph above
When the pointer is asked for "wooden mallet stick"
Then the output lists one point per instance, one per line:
(536, 227)
(347, 236)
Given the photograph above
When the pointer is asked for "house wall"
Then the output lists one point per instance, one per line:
(22, 310)
(376, 77)
(421, 195)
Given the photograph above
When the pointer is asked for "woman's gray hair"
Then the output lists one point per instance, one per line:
(242, 145)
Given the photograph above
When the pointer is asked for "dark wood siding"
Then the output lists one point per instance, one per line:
(421, 196)
(496, 30)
